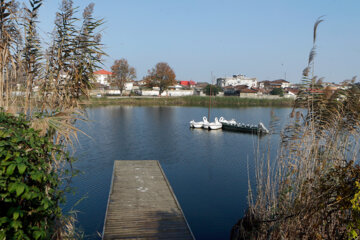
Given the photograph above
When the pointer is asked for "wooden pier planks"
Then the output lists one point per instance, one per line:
(142, 204)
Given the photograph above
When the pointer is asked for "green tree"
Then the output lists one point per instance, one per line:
(277, 91)
(214, 89)
(161, 76)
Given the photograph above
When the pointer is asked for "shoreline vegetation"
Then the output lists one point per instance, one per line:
(311, 189)
(40, 88)
(195, 101)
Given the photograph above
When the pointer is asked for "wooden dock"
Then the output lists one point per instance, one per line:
(142, 204)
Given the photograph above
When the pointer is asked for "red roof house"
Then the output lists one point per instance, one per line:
(247, 90)
(187, 83)
(102, 76)
(103, 72)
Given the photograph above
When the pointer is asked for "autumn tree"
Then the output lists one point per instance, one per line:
(122, 72)
(161, 76)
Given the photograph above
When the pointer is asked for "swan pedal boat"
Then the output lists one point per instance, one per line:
(206, 124)
(215, 125)
(194, 124)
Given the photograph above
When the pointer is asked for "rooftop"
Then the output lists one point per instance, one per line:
(103, 72)
(246, 90)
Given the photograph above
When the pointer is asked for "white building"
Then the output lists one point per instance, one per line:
(280, 83)
(283, 83)
(128, 86)
(103, 77)
(236, 80)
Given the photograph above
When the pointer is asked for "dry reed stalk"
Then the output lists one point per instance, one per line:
(307, 192)
(62, 75)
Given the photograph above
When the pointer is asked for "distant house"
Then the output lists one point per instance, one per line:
(199, 88)
(292, 91)
(264, 84)
(262, 91)
(103, 77)
(176, 87)
(229, 91)
(259, 91)
(190, 83)
(270, 85)
(140, 83)
(236, 80)
(129, 86)
(234, 90)
(246, 92)
(280, 83)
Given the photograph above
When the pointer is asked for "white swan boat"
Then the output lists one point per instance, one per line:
(206, 124)
(194, 124)
(213, 125)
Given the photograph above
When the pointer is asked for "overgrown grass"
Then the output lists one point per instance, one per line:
(199, 101)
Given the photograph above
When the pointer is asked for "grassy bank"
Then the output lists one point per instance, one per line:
(191, 101)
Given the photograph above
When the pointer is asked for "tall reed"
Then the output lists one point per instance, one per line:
(310, 190)
(46, 85)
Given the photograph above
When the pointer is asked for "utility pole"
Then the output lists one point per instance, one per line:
(210, 97)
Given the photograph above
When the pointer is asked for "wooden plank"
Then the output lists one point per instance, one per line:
(142, 204)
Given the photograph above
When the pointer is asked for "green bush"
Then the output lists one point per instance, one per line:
(214, 89)
(277, 91)
(29, 183)
(354, 226)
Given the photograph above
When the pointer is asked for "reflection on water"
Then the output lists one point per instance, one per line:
(205, 132)
(206, 169)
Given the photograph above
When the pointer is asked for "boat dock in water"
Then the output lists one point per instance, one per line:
(142, 204)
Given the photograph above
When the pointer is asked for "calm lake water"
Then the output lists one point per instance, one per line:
(206, 169)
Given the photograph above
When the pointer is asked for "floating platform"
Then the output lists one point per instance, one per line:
(252, 129)
(142, 204)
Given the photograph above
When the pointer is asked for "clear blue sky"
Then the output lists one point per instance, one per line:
(262, 39)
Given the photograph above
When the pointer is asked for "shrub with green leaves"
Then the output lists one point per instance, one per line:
(212, 89)
(354, 226)
(29, 183)
(277, 91)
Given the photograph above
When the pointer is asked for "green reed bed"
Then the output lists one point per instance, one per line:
(201, 101)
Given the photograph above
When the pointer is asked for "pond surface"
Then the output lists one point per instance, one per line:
(208, 170)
